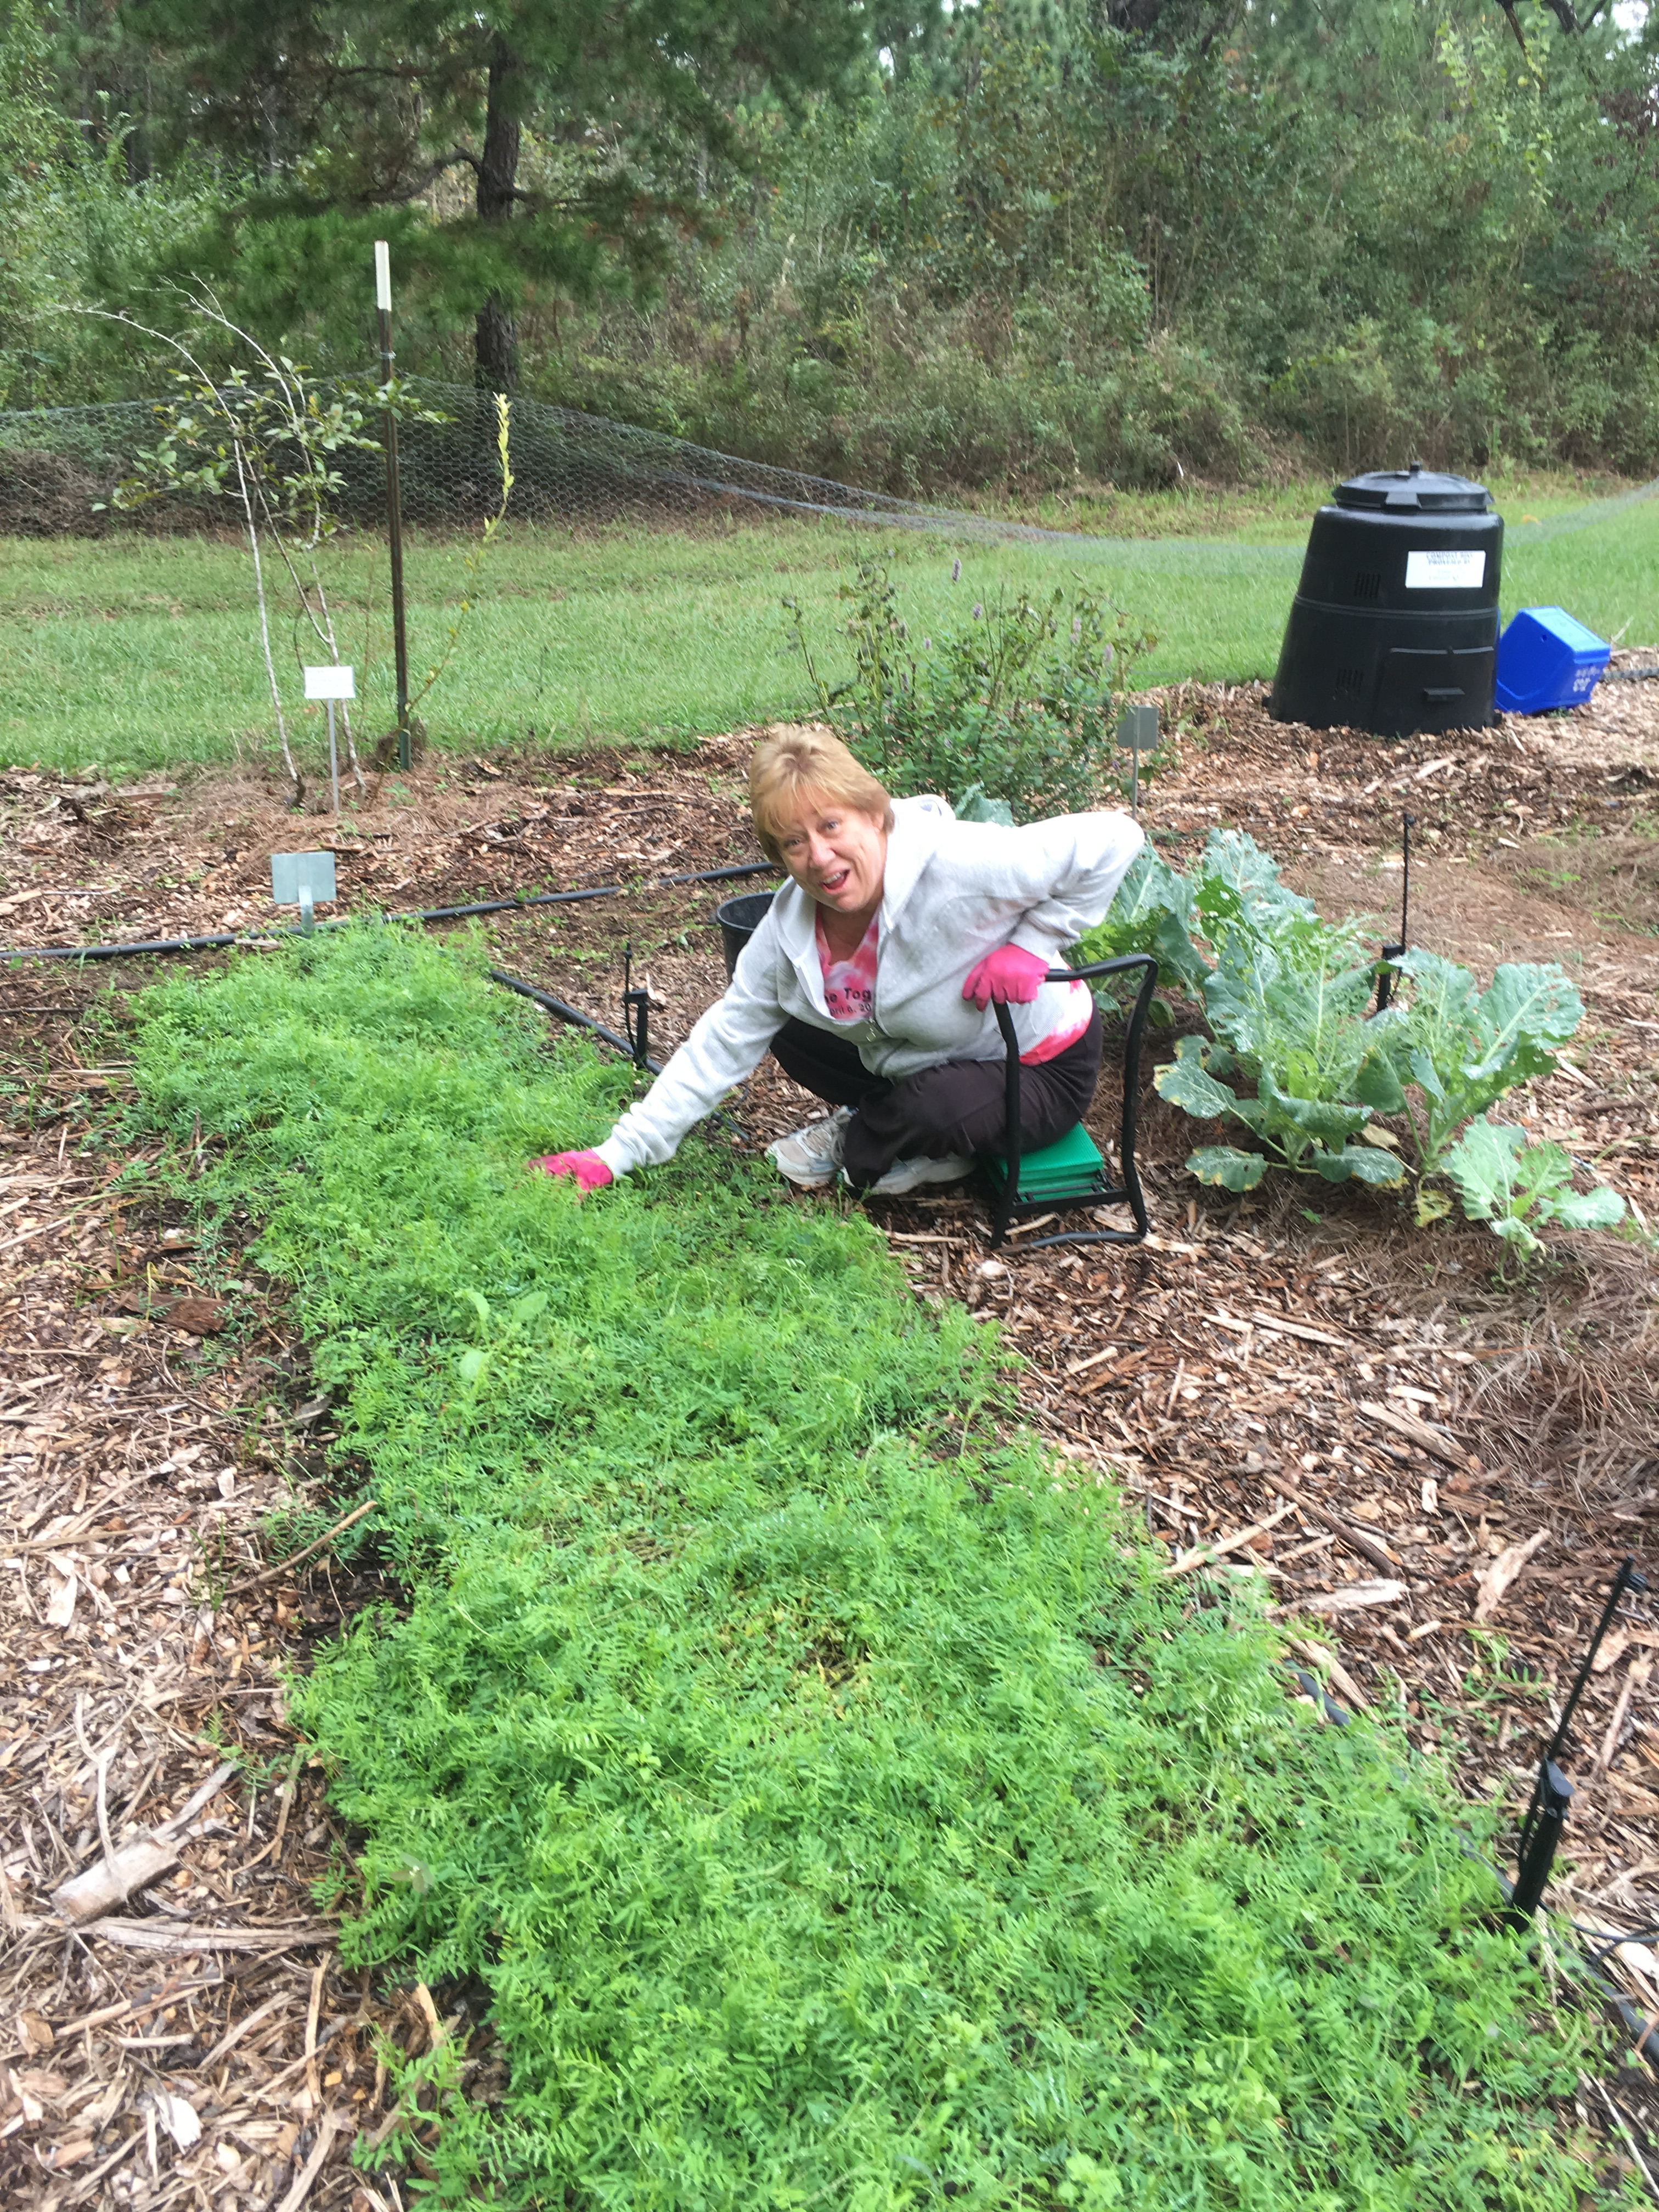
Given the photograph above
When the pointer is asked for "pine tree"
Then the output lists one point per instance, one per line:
(350, 112)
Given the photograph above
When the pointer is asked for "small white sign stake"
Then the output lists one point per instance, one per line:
(331, 683)
(1137, 731)
(302, 879)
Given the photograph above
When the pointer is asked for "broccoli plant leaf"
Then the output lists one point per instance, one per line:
(1362, 1163)
(975, 805)
(1464, 1048)
(1377, 1084)
(1185, 1082)
(1600, 1208)
(1226, 1167)
(1154, 912)
(1528, 1014)
(1238, 884)
(1326, 1121)
(1516, 1188)
(1482, 1165)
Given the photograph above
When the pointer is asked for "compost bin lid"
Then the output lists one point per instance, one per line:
(1415, 489)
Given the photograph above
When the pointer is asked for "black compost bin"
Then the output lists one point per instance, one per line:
(740, 918)
(1394, 627)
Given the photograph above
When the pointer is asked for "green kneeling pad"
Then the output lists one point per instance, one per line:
(1071, 1167)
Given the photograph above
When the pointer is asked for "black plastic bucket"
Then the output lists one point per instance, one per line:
(740, 918)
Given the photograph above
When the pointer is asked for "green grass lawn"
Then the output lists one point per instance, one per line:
(128, 655)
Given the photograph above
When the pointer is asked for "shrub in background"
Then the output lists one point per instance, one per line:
(1019, 705)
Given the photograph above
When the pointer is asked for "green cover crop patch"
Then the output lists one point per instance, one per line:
(837, 1807)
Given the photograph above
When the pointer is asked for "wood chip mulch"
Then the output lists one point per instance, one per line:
(81, 863)
(175, 2026)
(1435, 1468)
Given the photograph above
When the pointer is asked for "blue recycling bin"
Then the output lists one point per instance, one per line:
(1547, 658)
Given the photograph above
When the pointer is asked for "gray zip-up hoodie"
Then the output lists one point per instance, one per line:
(953, 892)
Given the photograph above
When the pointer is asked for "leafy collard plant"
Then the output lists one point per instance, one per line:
(1286, 1002)
(1296, 1058)
(1155, 911)
(1519, 1188)
(1464, 1047)
(1019, 705)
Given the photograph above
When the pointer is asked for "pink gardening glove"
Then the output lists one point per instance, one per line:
(588, 1170)
(1009, 975)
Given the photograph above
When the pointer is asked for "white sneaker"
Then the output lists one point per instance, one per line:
(910, 1175)
(810, 1157)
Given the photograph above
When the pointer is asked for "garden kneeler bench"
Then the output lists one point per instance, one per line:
(1071, 1172)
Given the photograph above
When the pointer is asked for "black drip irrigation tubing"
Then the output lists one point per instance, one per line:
(565, 1012)
(558, 1007)
(217, 943)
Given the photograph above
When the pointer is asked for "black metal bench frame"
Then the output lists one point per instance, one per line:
(1008, 1207)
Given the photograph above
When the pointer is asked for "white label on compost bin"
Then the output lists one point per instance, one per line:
(1445, 571)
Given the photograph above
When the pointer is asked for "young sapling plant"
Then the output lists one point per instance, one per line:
(269, 441)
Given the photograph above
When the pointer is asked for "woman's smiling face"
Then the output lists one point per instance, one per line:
(837, 855)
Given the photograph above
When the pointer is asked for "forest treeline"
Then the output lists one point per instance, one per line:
(1032, 245)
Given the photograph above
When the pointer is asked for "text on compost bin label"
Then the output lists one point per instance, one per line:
(1445, 571)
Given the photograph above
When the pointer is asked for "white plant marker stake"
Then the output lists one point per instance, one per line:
(331, 683)
(302, 879)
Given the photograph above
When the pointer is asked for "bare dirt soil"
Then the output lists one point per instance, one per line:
(1438, 1464)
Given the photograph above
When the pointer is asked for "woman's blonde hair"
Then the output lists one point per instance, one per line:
(791, 766)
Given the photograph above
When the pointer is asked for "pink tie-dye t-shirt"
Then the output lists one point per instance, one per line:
(850, 985)
(849, 993)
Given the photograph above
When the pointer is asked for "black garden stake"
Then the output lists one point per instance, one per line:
(1552, 1793)
(1393, 952)
(636, 1014)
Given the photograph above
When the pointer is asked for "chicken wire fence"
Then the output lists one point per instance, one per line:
(59, 467)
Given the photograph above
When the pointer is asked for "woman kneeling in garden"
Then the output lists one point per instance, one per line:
(872, 979)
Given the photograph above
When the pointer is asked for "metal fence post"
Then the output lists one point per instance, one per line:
(394, 507)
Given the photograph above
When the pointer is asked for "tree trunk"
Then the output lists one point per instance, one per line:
(496, 339)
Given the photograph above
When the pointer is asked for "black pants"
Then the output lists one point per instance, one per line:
(959, 1107)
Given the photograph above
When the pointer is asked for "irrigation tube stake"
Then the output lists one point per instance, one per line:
(1552, 1793)
(637, 1013)
(1392, 952)
(394, 504)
